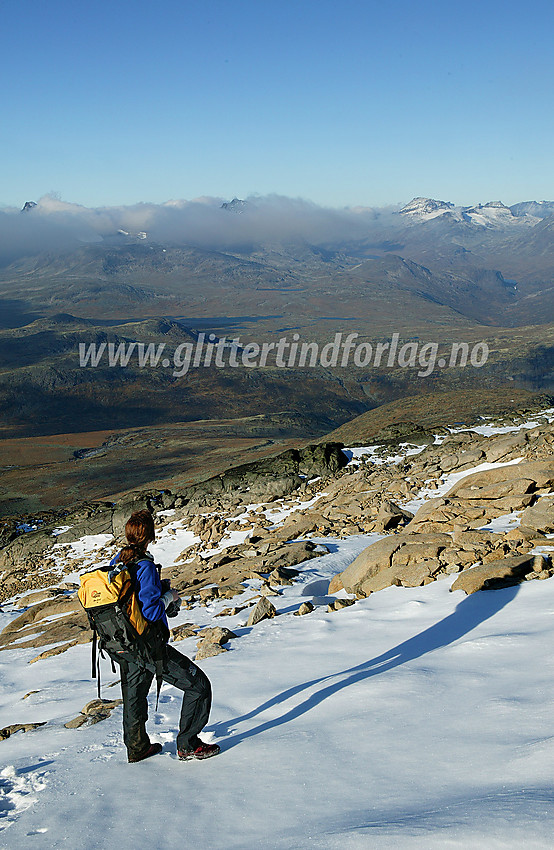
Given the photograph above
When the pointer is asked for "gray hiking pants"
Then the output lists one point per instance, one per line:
(180, 672)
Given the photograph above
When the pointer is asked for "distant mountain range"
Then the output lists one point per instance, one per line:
(260, 270)
(492, 214)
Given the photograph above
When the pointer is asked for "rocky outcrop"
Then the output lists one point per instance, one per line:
(35, 628)
(445, 538)
(482, 496)
(268, 479)
(494, 574)
(401, 559)
(403, 432)
(27, 545)
(540, 517)
(235, 564)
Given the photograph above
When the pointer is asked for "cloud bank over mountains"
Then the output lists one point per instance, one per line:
(54, 225)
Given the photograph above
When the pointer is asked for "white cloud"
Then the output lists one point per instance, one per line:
(57, 225)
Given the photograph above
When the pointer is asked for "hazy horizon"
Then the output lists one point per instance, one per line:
(363, 103)
(58, 226)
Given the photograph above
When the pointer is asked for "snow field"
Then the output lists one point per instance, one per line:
(417, 718)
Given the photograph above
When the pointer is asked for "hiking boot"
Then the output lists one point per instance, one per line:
(200, 751)
(152, 750)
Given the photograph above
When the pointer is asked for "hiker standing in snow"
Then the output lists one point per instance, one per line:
(173, 667)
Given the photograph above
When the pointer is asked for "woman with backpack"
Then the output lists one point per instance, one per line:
(169, 664)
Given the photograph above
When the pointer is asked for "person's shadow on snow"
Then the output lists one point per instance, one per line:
(469, 613)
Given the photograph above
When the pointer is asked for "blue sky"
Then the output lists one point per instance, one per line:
(360, 103)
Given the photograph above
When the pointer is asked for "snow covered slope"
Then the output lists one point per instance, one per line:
(416, 718)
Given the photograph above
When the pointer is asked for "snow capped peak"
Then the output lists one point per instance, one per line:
(236, 205)
(533, 209)
(491, 214)
(424, 209)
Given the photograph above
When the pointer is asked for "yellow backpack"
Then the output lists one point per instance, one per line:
(105, 587)
(118, 626)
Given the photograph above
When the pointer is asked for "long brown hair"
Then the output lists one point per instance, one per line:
(139, 531)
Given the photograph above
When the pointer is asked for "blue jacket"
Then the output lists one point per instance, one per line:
(148, 589)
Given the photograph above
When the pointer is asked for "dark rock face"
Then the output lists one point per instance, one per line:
(27, 545)
(123, 510)
(403, 432)
(322, 459)
(271, 478)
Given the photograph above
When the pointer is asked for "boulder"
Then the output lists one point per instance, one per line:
(498, 448)
(540, 472)
(455, 559)
(207, 594)
(123, 510)
(216, 634)
(382, 564)
(185, 630)
(339, 604)
(540, 516)
(282, 575)
(496, 490)
(207, 649)
(390, 516)
(305, 608)
(93, 712)
(99, 705)
(291, 554)
(263, 610)
(322, 459)
(368, 564)
(299, 525)
(335, 585)
(465, 537)
(435, 511)
(76, 722)
(411, 575)
(413, 553)
(229, 591)
(502, 573)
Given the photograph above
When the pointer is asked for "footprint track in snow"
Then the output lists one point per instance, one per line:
(18, 790)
